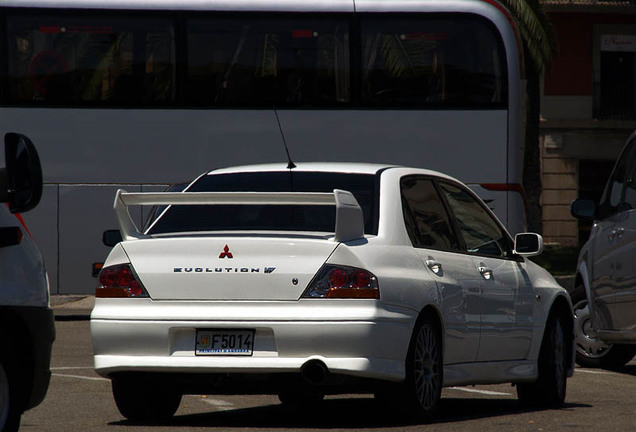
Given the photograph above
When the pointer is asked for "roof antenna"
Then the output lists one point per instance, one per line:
(290, 163)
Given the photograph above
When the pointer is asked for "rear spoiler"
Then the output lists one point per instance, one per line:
(349, 219)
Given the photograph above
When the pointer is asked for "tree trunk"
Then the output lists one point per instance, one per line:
(532, 154)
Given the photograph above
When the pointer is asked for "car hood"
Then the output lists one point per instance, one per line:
(227, 268)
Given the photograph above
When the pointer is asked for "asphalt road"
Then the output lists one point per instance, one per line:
(80, 400)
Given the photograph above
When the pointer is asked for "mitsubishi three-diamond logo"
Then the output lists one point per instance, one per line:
(225, 269)
(226, 253)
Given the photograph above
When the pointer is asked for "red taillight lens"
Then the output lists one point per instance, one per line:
(338, 278)
(343, 282)
(361, 279)
(119, 281)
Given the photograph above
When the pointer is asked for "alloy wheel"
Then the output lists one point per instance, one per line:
(426, 368)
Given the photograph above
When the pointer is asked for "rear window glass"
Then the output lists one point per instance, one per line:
(270, 217)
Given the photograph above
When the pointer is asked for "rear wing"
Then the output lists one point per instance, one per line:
(349, 219)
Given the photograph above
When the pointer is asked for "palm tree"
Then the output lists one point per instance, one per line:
(540, 45)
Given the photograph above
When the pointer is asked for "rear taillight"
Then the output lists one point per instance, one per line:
(119, 281)
(343, 282)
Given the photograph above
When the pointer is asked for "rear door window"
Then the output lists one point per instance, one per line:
(425, 216)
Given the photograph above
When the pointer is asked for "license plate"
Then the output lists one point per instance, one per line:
(225, 342)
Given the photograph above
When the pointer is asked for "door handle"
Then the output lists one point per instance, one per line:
(435, 266)
(485, 272)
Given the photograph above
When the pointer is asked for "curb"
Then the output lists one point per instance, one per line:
(72, 307)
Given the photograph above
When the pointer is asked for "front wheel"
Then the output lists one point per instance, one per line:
(145, 400)
(590, 351)
(549, 388)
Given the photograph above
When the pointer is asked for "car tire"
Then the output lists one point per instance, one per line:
(550, 387)
(591, 352)
(419, 395)
(144, 400)
(10, 415)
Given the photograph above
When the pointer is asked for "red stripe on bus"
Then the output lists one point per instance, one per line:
(302, 34)
(505, 187)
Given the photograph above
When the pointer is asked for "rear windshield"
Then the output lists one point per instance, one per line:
(269, 217)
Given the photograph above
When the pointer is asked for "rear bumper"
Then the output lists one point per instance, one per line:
(358, 338)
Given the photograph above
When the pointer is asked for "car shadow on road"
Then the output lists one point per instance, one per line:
(354, 414)
(629, 369)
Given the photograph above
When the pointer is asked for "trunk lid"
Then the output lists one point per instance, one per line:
(227, 268)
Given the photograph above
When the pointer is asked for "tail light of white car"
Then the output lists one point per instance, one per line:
(334, 281)
(119, 281)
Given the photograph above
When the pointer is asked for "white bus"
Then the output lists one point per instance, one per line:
(140, 94)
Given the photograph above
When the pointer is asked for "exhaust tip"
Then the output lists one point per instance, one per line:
(315, 372)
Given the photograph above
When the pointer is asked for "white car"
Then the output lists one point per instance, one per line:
(27, 324)
(322, 279)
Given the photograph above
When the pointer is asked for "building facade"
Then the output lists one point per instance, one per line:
(588, 107)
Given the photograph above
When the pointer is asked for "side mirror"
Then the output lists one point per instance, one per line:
(583, 209)
(21, 179)
(528, 244)
(111, 237)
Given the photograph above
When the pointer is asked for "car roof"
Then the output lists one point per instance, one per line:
(336, 167)
(330, 167)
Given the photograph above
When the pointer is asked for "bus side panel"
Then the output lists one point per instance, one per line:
(469, 145)
(167, 146)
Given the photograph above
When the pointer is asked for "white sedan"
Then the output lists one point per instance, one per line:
(322, 279)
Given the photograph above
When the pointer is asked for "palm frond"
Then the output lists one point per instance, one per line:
(407, 57)
(536, 30)
(268, 56)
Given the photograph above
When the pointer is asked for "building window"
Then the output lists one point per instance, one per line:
(616, 83)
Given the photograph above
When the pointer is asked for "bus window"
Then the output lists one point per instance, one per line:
(267, 61)
(432, 60)
(84, 60)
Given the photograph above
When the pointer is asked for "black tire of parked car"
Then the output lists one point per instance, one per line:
(611, 356)
(549, 389)
(145, 401)
(10, 413)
